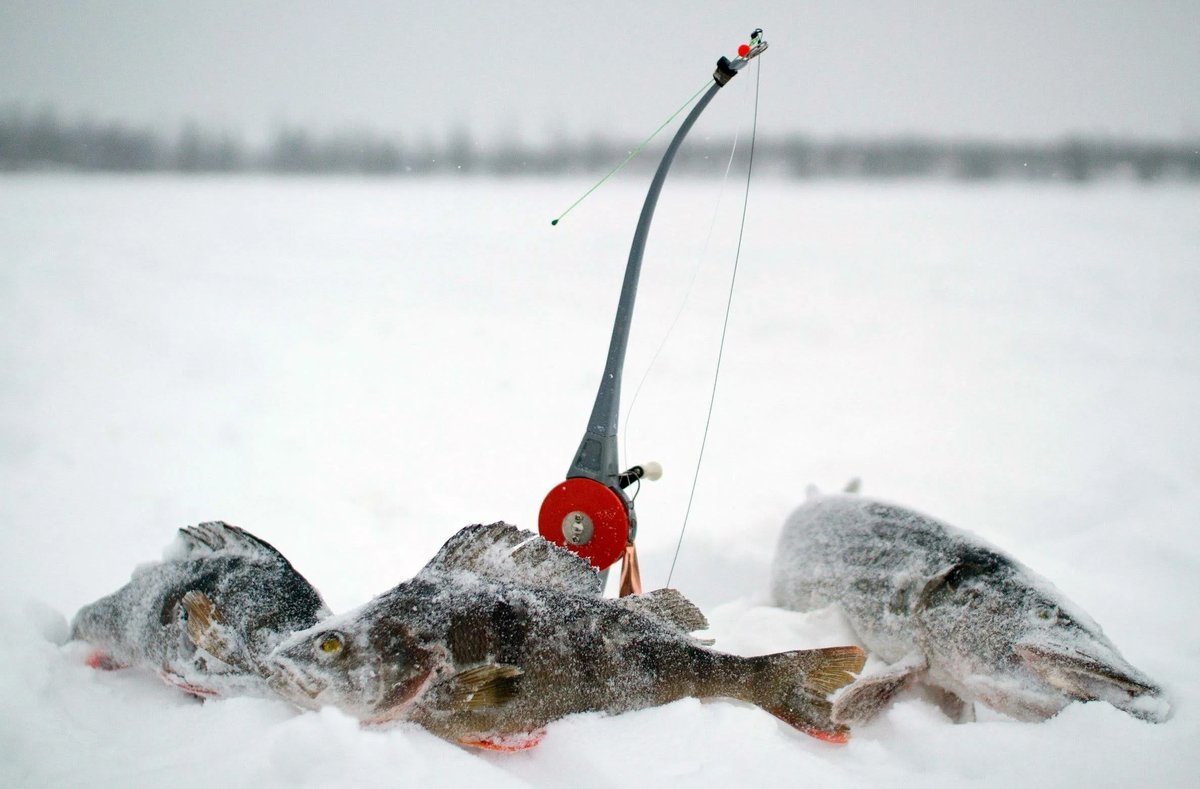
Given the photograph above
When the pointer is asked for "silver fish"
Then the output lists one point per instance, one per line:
(503, 632)
(219, 590)
(944, 608)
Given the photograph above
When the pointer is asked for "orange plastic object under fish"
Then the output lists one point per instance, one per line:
(631, 574)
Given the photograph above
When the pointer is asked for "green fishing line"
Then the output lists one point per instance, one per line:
(634, 152)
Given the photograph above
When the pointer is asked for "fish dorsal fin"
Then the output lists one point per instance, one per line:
(489, 685)
(504, 552)
(670, 606)
(217, 537)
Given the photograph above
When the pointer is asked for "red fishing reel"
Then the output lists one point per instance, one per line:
(591, 519)
(587, 518)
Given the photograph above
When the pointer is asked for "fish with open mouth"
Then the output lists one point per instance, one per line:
(946, 609)
(217, 586)
(503, 632)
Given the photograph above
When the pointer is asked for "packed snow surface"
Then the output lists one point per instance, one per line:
(353, 370)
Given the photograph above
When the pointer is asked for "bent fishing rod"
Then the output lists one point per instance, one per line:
(589, 512)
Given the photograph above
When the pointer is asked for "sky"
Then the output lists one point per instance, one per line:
(1010, 70)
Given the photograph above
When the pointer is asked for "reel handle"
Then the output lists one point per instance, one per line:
(650, 471)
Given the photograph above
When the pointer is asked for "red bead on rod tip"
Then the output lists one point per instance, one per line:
(743, 50)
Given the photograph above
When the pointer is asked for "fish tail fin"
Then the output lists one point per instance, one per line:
(97, 622)
(795, 687)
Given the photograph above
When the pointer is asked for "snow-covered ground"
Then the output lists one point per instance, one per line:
(355, 369)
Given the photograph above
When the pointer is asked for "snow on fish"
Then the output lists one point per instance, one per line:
(219, 589)
(944, 608)
(503, 632)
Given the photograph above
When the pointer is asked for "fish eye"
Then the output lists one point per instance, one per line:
(1047, 612)
(331, 644)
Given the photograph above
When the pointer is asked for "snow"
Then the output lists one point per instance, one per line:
(355, 369)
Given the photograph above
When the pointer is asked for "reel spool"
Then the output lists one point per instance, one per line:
(591, 519)
(587, 518)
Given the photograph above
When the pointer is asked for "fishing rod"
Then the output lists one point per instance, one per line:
(590, 513)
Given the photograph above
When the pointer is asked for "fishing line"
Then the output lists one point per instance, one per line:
(724, 327)
(686, 295)
(634, 152)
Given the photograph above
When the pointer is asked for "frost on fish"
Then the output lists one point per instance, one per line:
(942, 607)
(503, 632)
(218, 591)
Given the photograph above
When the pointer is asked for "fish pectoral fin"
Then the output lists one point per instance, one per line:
(950, 578)
(202, 618)
(670, 606)
(489, 685)
(205, 628)
(867, 696)
(522, 741)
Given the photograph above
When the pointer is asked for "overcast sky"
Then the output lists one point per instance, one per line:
(1008, 69)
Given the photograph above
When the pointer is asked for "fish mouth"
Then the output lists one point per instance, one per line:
(1086, 677)
(295, 684)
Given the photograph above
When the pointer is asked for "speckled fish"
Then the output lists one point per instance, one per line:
(944, 608)
(503, 632)
(218, 589)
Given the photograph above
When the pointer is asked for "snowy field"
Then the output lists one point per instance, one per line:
(354, 369)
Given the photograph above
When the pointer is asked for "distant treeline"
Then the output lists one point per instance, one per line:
(42, 142)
